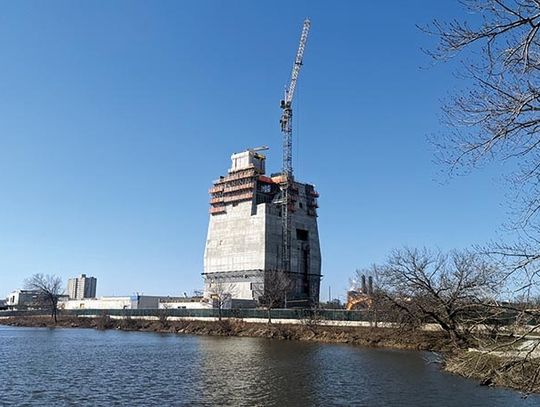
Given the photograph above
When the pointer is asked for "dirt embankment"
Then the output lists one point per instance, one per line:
(491, 370)
(372, 337)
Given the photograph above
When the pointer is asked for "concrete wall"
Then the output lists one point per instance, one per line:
(145, 302)
(127, 302)
(235, 240)
(247, 159)
(300, 249)
(243, 285)
(299, 220)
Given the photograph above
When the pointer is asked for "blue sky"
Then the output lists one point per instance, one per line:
(115, 117)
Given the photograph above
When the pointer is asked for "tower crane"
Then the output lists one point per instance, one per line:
(286, 130)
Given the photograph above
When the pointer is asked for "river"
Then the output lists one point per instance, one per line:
(85, 367)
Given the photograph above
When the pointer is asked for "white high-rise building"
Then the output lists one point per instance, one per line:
(245, 240)
(82, 287)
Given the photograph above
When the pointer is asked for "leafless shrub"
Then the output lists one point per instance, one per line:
(221, 293)
(312, 319)
(493, 370)
(104, 321)
(163, 317)
(273, 293)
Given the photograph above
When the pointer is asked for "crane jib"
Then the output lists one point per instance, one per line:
(298, 60)
(287, 168)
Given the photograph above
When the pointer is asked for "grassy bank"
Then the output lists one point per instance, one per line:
(372, 337)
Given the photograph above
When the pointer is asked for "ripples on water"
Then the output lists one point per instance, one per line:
(76, 367)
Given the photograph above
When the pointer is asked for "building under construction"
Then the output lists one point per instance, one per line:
(245, 234)
(263, 227)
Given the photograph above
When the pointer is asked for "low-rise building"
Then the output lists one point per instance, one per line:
(124, 302)
(184, 302)
(97, 303)
(23, 299)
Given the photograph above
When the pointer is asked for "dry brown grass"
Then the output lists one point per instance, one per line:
(492, 370)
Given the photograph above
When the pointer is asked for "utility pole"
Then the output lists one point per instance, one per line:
(286, 130)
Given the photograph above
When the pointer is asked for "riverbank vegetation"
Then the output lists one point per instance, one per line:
(494, 341)
(493, 370)
(309, 330)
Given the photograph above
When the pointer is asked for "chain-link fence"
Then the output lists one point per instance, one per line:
(241, 313)
(252, 313)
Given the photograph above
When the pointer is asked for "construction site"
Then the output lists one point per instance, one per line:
(263, 228)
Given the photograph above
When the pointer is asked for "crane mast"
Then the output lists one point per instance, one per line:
(286, 130)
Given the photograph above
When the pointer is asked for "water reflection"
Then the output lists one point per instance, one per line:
(87, 367)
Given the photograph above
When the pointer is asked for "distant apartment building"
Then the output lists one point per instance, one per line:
(82, 287)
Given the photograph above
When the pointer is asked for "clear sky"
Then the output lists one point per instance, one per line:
(115, 117)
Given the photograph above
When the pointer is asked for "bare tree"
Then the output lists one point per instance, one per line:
(498, 119)
(273, 293)
(50, 289)
(498, 116)
(221, 293)
(451, 290)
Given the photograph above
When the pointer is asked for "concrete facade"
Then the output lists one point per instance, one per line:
(97, 303)
(82, 287)
(244, 241)
(23, 299)
(122, 302)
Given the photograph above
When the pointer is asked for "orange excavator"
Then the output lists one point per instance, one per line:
(358, 300)
(361, 297)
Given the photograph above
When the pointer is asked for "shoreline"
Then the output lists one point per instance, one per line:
(486, 370)
(392, 338)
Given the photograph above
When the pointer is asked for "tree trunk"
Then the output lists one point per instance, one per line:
(54, 307)
(53, 313)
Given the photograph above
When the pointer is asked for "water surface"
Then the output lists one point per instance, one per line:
(83, 367)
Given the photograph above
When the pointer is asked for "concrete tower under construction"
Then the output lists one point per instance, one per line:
(244, 246)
